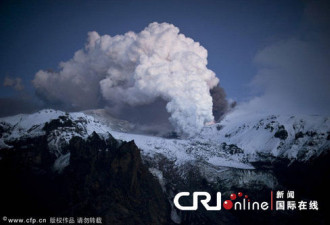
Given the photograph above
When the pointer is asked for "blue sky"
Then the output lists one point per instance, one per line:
(268, 54)
(40, 34)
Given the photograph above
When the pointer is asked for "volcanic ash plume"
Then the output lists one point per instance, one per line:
(136, 69)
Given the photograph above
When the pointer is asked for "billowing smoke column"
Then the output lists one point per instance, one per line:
(220, 103)
(136, 69)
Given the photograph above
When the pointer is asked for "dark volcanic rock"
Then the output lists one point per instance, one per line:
(113, 182)
(281, 133)
(105, 178)
(49, 170)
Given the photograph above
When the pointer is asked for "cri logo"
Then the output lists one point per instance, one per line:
(195, 201)
(227, 204)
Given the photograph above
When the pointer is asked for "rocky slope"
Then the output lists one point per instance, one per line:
(93, 176)
(254, 154)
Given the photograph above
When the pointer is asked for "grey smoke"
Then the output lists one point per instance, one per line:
(18, 104)
(15, 83)
(220, 103)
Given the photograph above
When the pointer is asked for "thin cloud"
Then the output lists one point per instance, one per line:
(294, 74)
(15, 83)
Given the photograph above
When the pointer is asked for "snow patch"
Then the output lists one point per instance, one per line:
(61, 162)
(159, 174)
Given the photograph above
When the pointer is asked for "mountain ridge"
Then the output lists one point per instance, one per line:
(221, 157)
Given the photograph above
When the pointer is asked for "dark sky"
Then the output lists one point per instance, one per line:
(39, 34)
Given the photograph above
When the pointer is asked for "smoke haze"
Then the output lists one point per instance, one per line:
(133, 70)
(293, 74)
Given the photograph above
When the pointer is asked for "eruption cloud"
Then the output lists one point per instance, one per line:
(136, 69)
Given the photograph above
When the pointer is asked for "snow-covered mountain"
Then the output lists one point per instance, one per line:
(229, 155)
(293, 137)
(234, 142)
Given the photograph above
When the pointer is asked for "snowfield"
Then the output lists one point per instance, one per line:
(294, 137)
(233, 143)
